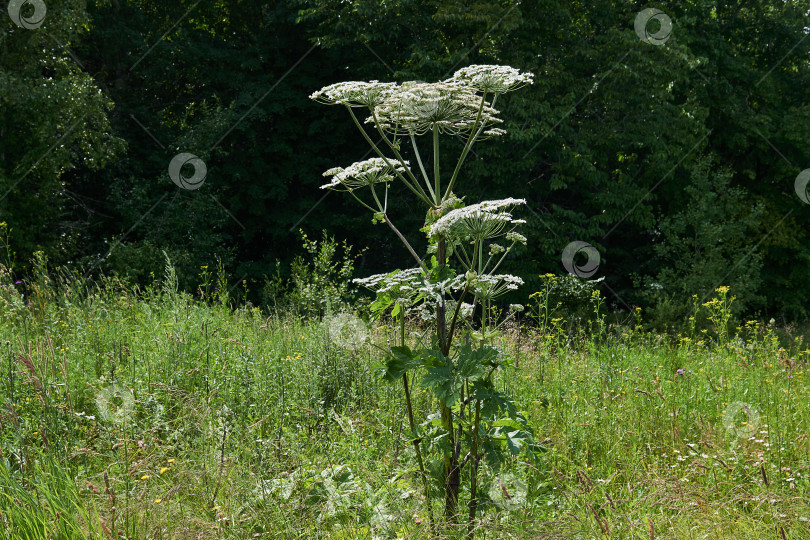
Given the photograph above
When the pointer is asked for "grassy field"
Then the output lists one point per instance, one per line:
(149, 414)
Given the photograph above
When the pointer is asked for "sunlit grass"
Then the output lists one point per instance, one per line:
(245, 424)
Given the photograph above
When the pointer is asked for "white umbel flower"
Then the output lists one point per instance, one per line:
(419, 107)
(516, 237)
(490, 286)
(354, 93)
(398, 284)
(486, 219)
(492, 79)
(363, 174)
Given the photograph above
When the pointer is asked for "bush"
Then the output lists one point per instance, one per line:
(706, 245)
(320, 282)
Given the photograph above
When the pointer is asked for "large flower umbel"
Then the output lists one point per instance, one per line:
(354, 93)
(363, 174)
(492, 79)
(478, 222)
(403, 285)
(417, 108)
(411, 286)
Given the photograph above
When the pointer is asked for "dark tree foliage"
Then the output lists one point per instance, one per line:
(676, 161)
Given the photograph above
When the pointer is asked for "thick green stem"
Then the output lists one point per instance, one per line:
(436, 191)
(419, 460)
(422, 166)
(407, 244)
(474, 133)
(452, 480)
(451, 469)
(413, 429)
(474, 472)
(455, 318)
(419, 193)
(441, 322)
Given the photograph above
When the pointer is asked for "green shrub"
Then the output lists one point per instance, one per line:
(321, 281)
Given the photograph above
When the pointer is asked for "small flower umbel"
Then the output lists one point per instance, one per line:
(403, 286)
(368, 174)
(363, 174)
(488, 287)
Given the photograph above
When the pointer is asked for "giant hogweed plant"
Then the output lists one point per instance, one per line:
(466, 246)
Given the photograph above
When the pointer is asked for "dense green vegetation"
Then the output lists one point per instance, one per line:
(150, 413)
(184, 352)
(677, 162)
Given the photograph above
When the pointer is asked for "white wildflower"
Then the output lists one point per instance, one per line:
(363, 174)
(435, 291)
(492, 79)
(355, 93)
(466, 310)
(490, 286)
(399, 284)
(516, 237)
(417, 108)
(487, 219)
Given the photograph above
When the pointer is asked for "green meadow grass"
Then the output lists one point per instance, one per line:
(132, 414)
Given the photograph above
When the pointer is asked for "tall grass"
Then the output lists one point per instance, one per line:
(149, 414)
(44, 504)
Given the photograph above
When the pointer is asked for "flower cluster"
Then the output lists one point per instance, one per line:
(427, 311)
(363, 174)
(354, 93)
(411, 286)
(487, 219)
(490, 286)
(402, 285)
(450, 107)
(493, 79)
